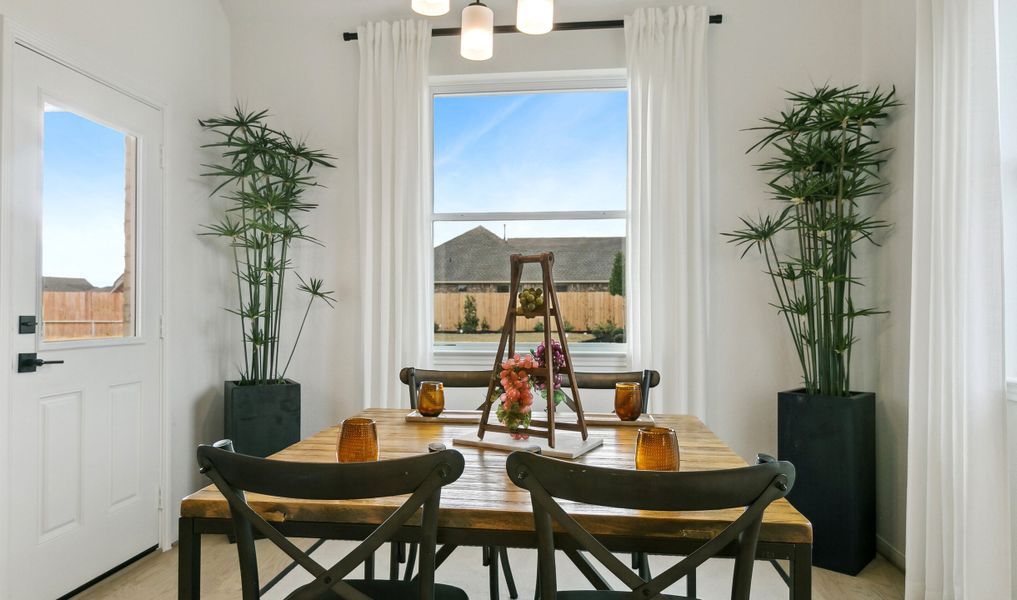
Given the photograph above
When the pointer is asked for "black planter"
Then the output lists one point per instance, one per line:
(832, 443)
(262, 419)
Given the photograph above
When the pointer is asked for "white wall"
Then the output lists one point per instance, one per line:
(291, 57)
(178, 53)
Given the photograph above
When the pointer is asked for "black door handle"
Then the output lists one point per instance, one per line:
(29, 361)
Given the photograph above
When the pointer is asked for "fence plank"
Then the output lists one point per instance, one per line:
(82, 315)
(582, 310)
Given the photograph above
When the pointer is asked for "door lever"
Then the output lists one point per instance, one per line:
(29, 361)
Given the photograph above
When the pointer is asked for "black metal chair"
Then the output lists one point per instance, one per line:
(492, 555)
(548, 479)
(422, 477)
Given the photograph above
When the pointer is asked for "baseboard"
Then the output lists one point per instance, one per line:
(892, 554)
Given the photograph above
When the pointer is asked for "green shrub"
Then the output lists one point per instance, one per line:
(539, 327)
(470, 322)
(608, 332)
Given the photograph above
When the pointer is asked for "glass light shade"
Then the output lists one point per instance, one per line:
(657, 449)
(430, 8)
(535, 16)
(477, 39)
(358, 441)
(628, 400)
(431, 398)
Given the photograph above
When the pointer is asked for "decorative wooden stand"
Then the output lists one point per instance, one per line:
(537, 428)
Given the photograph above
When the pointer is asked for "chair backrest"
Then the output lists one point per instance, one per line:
(752, 488)
(412, 377)
(422, 477)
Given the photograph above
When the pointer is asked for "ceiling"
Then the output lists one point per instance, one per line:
(353, 12)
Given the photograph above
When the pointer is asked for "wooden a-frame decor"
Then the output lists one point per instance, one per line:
(548, 312)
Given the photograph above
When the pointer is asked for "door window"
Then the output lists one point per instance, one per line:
(89, 195)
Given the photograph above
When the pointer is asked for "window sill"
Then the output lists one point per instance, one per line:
(481, 355)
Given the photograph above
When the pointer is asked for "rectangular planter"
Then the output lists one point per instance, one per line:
(262, 419)
(832, 443)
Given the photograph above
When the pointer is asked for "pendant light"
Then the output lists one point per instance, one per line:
(477, 40)
(535, 16)
(430, 8)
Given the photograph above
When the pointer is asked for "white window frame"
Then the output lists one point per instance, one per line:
(480, 354)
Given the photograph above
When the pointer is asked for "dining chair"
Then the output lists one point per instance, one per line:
(647, 380)
(492, 555)
(421, 477)
(548, 480)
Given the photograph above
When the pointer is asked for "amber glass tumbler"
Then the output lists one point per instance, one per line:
(358, 441)
(431, 398)
(657, 449)
(628, 400)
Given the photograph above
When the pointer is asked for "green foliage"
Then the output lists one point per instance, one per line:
(538, 326)
(616, 286)
(826, 161)
(608, 332)
(484, 325)
(263, 176)
(569, 327)
(470, 322)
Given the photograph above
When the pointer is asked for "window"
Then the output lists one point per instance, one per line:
(88, 218)
(527, 169)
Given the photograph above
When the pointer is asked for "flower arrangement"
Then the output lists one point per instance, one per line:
(518, 377)
(516, 398)
(539, 382)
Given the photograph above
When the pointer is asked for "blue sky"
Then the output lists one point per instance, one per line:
(563, 151)
(83, 199)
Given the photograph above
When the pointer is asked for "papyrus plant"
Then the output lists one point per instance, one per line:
(263, 176)
(826, 160)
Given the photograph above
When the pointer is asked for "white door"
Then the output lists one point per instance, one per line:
(86, 204)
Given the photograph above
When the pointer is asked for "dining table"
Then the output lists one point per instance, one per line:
(484, 508)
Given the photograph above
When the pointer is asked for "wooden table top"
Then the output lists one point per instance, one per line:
(484, 498)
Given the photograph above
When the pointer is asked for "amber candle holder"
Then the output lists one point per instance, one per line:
(358, 441)
(431, 398)
(628, 400)
(657, 449)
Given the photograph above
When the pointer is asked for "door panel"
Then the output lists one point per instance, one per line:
(86, 209)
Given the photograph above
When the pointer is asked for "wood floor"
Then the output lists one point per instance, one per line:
(154, 577)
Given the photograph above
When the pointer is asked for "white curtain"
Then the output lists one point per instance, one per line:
(957, 506)
(669, 224)
(393, 172)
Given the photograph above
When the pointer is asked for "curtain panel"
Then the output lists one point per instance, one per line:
(393, 175)
(669, 222)
(957, 506)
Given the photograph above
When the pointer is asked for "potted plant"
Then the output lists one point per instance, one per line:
(826, 163)
(263, 176)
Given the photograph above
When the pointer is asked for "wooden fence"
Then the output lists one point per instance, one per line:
(82, 315)
(582, 310)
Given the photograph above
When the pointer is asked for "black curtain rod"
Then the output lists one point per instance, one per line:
(350, 36)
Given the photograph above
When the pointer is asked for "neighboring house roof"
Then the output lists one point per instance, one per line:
(66, 284)
(481, 256)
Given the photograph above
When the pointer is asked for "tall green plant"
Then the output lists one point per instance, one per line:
(264, 174)
(826, 160)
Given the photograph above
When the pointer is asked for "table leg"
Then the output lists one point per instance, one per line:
(801, 572)
(189, 561)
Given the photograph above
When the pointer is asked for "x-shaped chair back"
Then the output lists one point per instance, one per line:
(422, 477)
(752, 488)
